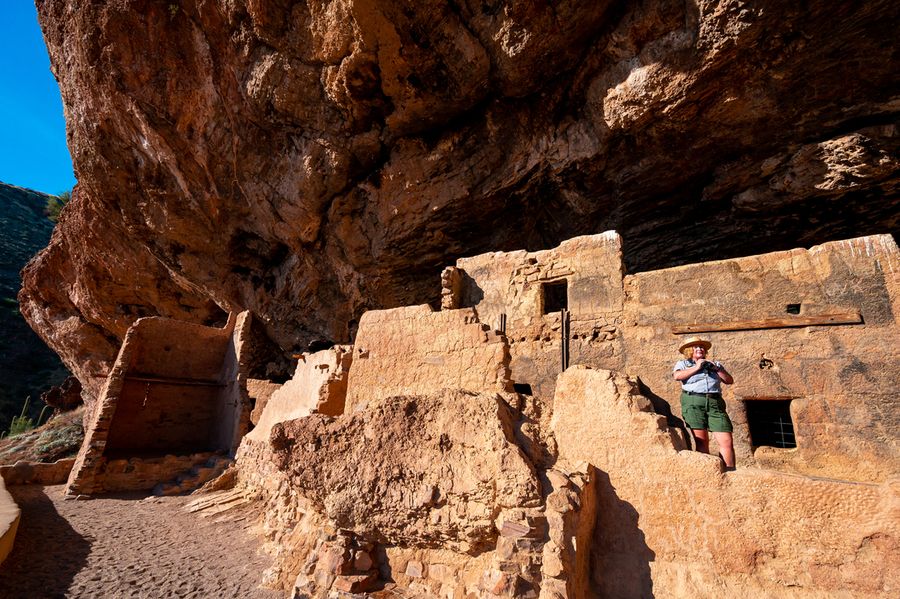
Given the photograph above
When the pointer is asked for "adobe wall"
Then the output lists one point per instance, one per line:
(846, 409)
(318, 385)
(510, 284)
(174, 395)
(37, 473)
(672, 524)
(156, 419)
(416, 351)
(840, 378)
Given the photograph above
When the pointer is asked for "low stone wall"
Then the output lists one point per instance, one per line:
(671, 523)
(9, 521)
(37, 473)
(142, 474)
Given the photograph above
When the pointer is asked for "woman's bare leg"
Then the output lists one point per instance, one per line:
(701, 436)
(725, 441)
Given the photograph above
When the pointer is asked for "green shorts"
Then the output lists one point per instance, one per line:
(703, 412)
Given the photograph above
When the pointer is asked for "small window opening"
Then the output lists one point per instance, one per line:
(522, 388)
(770, 423)
(792, 308)
(556, 296)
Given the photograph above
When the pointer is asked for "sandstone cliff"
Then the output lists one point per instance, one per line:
(307, 161)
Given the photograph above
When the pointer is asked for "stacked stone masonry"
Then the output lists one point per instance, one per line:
(414, 350)
(175, 397)
(839, 379)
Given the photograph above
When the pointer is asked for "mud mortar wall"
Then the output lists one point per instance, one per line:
(414, 350)
(671, 524)
(319, 384)
(512, 284)
(839, 378)
(166, 406)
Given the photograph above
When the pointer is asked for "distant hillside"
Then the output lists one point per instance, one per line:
(27, 365)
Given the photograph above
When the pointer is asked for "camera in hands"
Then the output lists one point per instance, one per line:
(710, 367)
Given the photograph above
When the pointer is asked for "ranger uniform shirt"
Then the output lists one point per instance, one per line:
(702, 382)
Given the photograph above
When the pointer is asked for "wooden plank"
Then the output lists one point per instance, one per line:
(833, 318)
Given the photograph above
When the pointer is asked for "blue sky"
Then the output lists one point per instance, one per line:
(33, 150)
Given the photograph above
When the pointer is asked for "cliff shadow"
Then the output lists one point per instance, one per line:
(620, 557)
(47, 552)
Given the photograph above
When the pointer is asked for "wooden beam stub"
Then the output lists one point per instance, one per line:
(832, 318)
(178, 382)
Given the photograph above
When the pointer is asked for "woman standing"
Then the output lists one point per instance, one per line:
(702, 406)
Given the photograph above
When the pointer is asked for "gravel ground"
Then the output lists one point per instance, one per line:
(127, 546)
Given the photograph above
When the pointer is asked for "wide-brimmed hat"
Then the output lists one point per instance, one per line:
(692, 341)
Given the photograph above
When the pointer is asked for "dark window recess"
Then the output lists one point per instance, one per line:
(318, 345)
(770, 423)
(522, 388)
(556, 296)
(792, 309)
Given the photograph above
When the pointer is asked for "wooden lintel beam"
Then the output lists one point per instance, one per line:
(173, 381)
(833, 318)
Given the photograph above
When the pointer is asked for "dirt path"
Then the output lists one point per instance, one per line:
(127, 547)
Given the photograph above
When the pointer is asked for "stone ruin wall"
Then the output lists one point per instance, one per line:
(416, 351)
(318, 385)
(441, 479)
(423, 355)
(289, 524)
(672, 524)
(350, 500)
(839, 378)
(174, 398)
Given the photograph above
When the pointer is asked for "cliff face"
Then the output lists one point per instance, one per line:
(307, 161)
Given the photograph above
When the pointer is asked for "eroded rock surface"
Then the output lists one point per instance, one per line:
(307, 161)
(432, 471)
